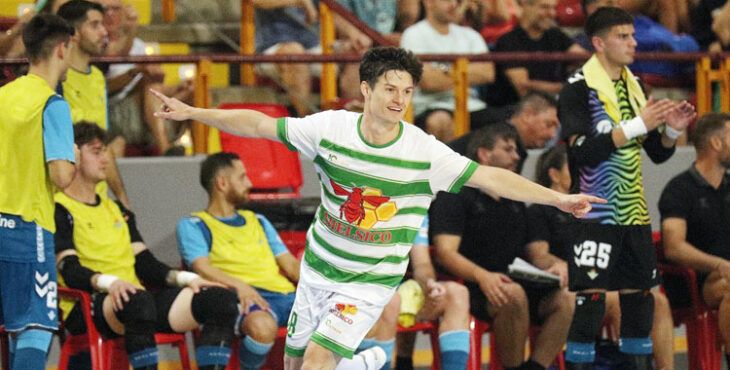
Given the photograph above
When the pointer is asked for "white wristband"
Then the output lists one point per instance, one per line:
(672, 133)
(634, 128)
(182, 278)
(104, 281)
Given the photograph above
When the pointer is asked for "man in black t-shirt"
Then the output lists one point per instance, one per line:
(695, 210)
(477, 236)
(537, 31)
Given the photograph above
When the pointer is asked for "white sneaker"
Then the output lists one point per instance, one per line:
(374, 357)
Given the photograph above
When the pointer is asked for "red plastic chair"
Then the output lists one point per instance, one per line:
(700, 321)
(432, 329)
(274, 170)
(570, 13)
(106, 354)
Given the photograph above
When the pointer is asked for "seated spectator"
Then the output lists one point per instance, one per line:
(99, 250)
(549, 248)
(695, 211)
(131, 105)
(671, 14)
(715, 35)
(477, 235)
(445, 301)
(535, 117)
(537, 31)
(242, 250)
(433, 101)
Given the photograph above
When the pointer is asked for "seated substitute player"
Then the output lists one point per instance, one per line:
(99, 250)
(444, 300)
(695, 210)
(549, 244)
(355, 256)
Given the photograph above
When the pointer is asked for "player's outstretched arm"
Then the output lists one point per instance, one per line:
(508, 184)
(240, 122)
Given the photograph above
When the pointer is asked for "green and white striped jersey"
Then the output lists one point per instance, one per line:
(374, 199)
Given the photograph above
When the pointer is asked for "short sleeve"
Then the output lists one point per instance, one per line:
(190, 240)
(449, 170)
(447, 215)
(422, 236)
(275, 243)
(538, 228)
(562, 41)
(58, 133)
(302, 134)
(673, 201)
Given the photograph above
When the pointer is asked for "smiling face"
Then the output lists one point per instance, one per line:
(540, 15)
(388, 100)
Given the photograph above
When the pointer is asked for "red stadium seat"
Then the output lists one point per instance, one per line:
(274, 170)
(570, 13)
(106, 354)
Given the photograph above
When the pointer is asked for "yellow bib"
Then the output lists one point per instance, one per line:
(86, 94)
(101, 237)
(25, 187)
(244, 253)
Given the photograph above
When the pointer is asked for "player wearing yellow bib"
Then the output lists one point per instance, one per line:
(36, 158)
(85, 87)
(100, 250)
(378, 176)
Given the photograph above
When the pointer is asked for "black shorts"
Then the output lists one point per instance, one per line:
(478, 302)
(612, 257)
(75, 324)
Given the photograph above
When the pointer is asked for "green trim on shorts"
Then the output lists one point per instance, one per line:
(293, 352)
(333, 346)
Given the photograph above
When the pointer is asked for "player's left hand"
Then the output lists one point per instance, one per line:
(577, 204)
(436, 290)
(681, 115)
(199, 283)
(560, 268)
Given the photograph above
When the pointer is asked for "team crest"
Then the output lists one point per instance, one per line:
(365, 206)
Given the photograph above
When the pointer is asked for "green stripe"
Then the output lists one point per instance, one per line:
(282, 134)
(354, 257)
(333, 273)
(294, 352)
(398, 235)
(333, 346)
(395, 162)
(464, 177)
(387, 187)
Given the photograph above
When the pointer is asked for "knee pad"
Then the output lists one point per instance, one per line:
(139, 314)
(216, 309)
(637, 318)
(589, 311)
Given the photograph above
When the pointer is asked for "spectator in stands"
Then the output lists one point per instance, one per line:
(477, 235)
(550, 245)
(242, 250)
(536, 121)
(445, 301)
(715, 35)
(433, 102)
(289, 28)
(99, 250)
(672, 14)
(131, 105)
(537, 31)
(84, 87)
(695, 211)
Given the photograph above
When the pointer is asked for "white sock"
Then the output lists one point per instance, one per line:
(370, 359)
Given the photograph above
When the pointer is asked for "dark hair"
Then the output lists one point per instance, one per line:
(75, 11)
(604, 18)
(487, 137)
(86, 132)
(43, 33)
(708, 125)
(211, 165)
(554, 157)
(539, 101)
(378, 61)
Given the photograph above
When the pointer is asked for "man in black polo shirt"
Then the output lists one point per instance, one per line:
(695, 210)
(477, 236)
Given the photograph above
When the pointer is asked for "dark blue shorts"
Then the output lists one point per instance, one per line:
(28, 295)
(280, 304)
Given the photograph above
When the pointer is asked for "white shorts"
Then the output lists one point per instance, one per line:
(332, 320)
(270, 70)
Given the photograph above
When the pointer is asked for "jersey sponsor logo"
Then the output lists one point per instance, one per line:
(342, 310)
(7, 223)
(355, 233)
(365, 206)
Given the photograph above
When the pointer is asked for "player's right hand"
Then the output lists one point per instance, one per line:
(248, 296)
(172, 108)
(120, 291)
(654, 112)
(494, 286)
